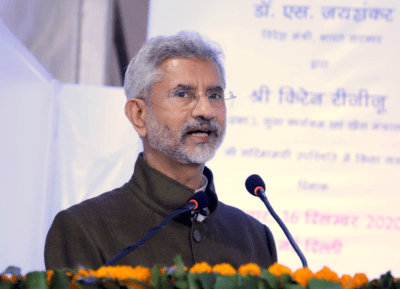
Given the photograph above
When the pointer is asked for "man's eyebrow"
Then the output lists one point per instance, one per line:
(216, 87)
(184, 86)
(190, 87)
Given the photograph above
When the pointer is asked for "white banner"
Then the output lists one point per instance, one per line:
(316, 115)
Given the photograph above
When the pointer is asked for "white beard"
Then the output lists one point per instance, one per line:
(161, 138)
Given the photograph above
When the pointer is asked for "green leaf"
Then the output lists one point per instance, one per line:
(387, 281)
(194, 282)
(36, 280)
(156, 276)
(180, 268)
(370, 284)
(248, 281)
(272, 280)
(262, 284)
(323, 284)
(181, 284)
(161, 281)
(289, 283)
(225, 282)
(59, 280)
(178, 261)
(207, 280)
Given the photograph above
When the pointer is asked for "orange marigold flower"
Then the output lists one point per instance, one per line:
(79, 273)
(12, 279)
(202, 267)
(224, 269)
(49, 275)
(327, 274)
(358, 280)
(345, 281)
(302, 276)
(123, 272)
(249, 269)
(278, 270)
(162, 271)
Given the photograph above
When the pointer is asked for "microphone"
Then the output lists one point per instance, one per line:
(256, 186)
(198, 201)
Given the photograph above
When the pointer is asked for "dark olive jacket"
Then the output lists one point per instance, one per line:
(95, 230)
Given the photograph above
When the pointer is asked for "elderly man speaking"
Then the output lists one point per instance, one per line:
(177, 104)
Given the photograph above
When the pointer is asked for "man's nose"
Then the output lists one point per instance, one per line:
(203, 108)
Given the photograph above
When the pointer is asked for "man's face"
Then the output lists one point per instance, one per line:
(189, 135)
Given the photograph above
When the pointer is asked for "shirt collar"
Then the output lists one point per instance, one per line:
(204, 183)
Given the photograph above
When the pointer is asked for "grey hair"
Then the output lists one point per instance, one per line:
(143, 71)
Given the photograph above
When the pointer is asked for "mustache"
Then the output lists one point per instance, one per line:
(201, 123)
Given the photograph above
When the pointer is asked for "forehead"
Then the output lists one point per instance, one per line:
(191, 71)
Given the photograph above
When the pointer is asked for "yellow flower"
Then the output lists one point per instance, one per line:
(249, 269)
(358, 280)
(345, 281)
(302, 276)
(224, 269)
(202, 267)
(327, 274)
(278, 270)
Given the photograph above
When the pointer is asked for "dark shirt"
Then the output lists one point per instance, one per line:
(95, 230)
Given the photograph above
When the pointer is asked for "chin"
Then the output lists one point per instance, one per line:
(199, 155)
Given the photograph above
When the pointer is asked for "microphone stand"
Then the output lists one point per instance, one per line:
(263, 198)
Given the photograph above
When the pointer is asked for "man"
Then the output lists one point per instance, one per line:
(176, 103)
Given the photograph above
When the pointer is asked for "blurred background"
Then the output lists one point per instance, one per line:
(79, 41)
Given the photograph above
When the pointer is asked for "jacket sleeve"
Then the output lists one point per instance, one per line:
(271, 245)
(69, 244)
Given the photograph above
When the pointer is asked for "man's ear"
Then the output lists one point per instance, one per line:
(135, 110)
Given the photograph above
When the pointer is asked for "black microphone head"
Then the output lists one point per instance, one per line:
(254, 183)
(200, 199)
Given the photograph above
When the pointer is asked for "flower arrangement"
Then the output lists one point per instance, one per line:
(201, 275)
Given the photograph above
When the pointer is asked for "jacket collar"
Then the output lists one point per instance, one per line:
(162, 194)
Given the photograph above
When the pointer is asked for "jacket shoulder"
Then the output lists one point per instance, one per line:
(233, 214)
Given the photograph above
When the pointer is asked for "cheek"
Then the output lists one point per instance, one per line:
(220, 116)
(175, 120)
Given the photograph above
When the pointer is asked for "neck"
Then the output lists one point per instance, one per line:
(189, 175)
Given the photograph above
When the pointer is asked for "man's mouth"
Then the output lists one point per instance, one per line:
(200, 133)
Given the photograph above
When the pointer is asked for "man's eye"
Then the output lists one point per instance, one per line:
(181, 94)
(215, 96)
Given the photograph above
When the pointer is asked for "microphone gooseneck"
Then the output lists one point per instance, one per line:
(199, 201)
(256, 186)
